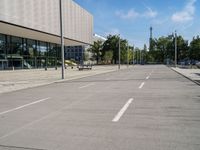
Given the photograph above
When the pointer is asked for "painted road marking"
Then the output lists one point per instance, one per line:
(122, 111)
(141, 85)
(147, 77)
(86, 85)
(52, 114)
(20, 107)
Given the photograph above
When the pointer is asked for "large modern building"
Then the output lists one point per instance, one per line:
(30, 31)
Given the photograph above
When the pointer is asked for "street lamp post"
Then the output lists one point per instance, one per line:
(136, 56)
(140, 57)
(175, 58)
(119, 51)
(133, 54)
(127, 55)
(62, 39)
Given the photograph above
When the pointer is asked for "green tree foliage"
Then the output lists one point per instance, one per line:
(144, 55)
(194, 52)
(112, 44)
(137, 55)
(164, 49)
(108, 56)
(130, 54)
(96, 50)
(182, 48)
(86, 56)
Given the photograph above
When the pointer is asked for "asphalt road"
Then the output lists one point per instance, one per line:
(140, 108)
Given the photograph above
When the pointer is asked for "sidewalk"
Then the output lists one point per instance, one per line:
(22, 79)
(192, 74)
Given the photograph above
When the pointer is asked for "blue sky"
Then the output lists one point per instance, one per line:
(133, 18)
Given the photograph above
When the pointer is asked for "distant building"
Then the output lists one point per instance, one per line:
(78, 52)
(30, 32)
(75, 53)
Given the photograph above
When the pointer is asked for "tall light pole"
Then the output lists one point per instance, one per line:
(175, 58)
(62, 39)
(119, 53)
(133, 54)
(127, 55)
(140, 57)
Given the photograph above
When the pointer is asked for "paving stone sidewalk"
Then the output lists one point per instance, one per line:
(193, 74)
(22, 79)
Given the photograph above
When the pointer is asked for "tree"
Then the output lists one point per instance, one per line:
(137, 55)
(194, 52)
(86, 56)
(164, 49)
(145, 54)
(96, 50)
(108, 57)
(112, 44)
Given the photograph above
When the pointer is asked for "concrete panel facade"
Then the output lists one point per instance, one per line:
(43, 16)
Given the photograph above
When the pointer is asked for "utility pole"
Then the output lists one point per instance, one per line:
(127, 55)
(119, 53)
(175, 61)
(133, 54)
(62, 40)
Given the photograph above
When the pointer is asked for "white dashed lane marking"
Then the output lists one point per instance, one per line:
(23, 106)
(122, 111)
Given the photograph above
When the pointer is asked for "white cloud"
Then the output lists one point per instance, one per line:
(132, 14)
(187, 14)
(150, 13)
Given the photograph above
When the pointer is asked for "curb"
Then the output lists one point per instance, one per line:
(65, 80)
(186, 77)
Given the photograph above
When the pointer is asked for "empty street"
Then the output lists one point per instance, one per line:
(147, 107)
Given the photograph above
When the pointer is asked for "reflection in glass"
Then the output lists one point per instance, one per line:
(3, 58)
(17, 52)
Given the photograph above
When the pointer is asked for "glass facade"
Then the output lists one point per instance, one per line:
(74, 53)
(23, 53)
(3, 59)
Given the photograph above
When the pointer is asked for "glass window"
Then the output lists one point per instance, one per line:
(2, 46)
(29, 51)
(52, 56)
(59, 55)
(43, 48)
(16, 46)
(30, 48)
(52, 50)
(14, 51)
